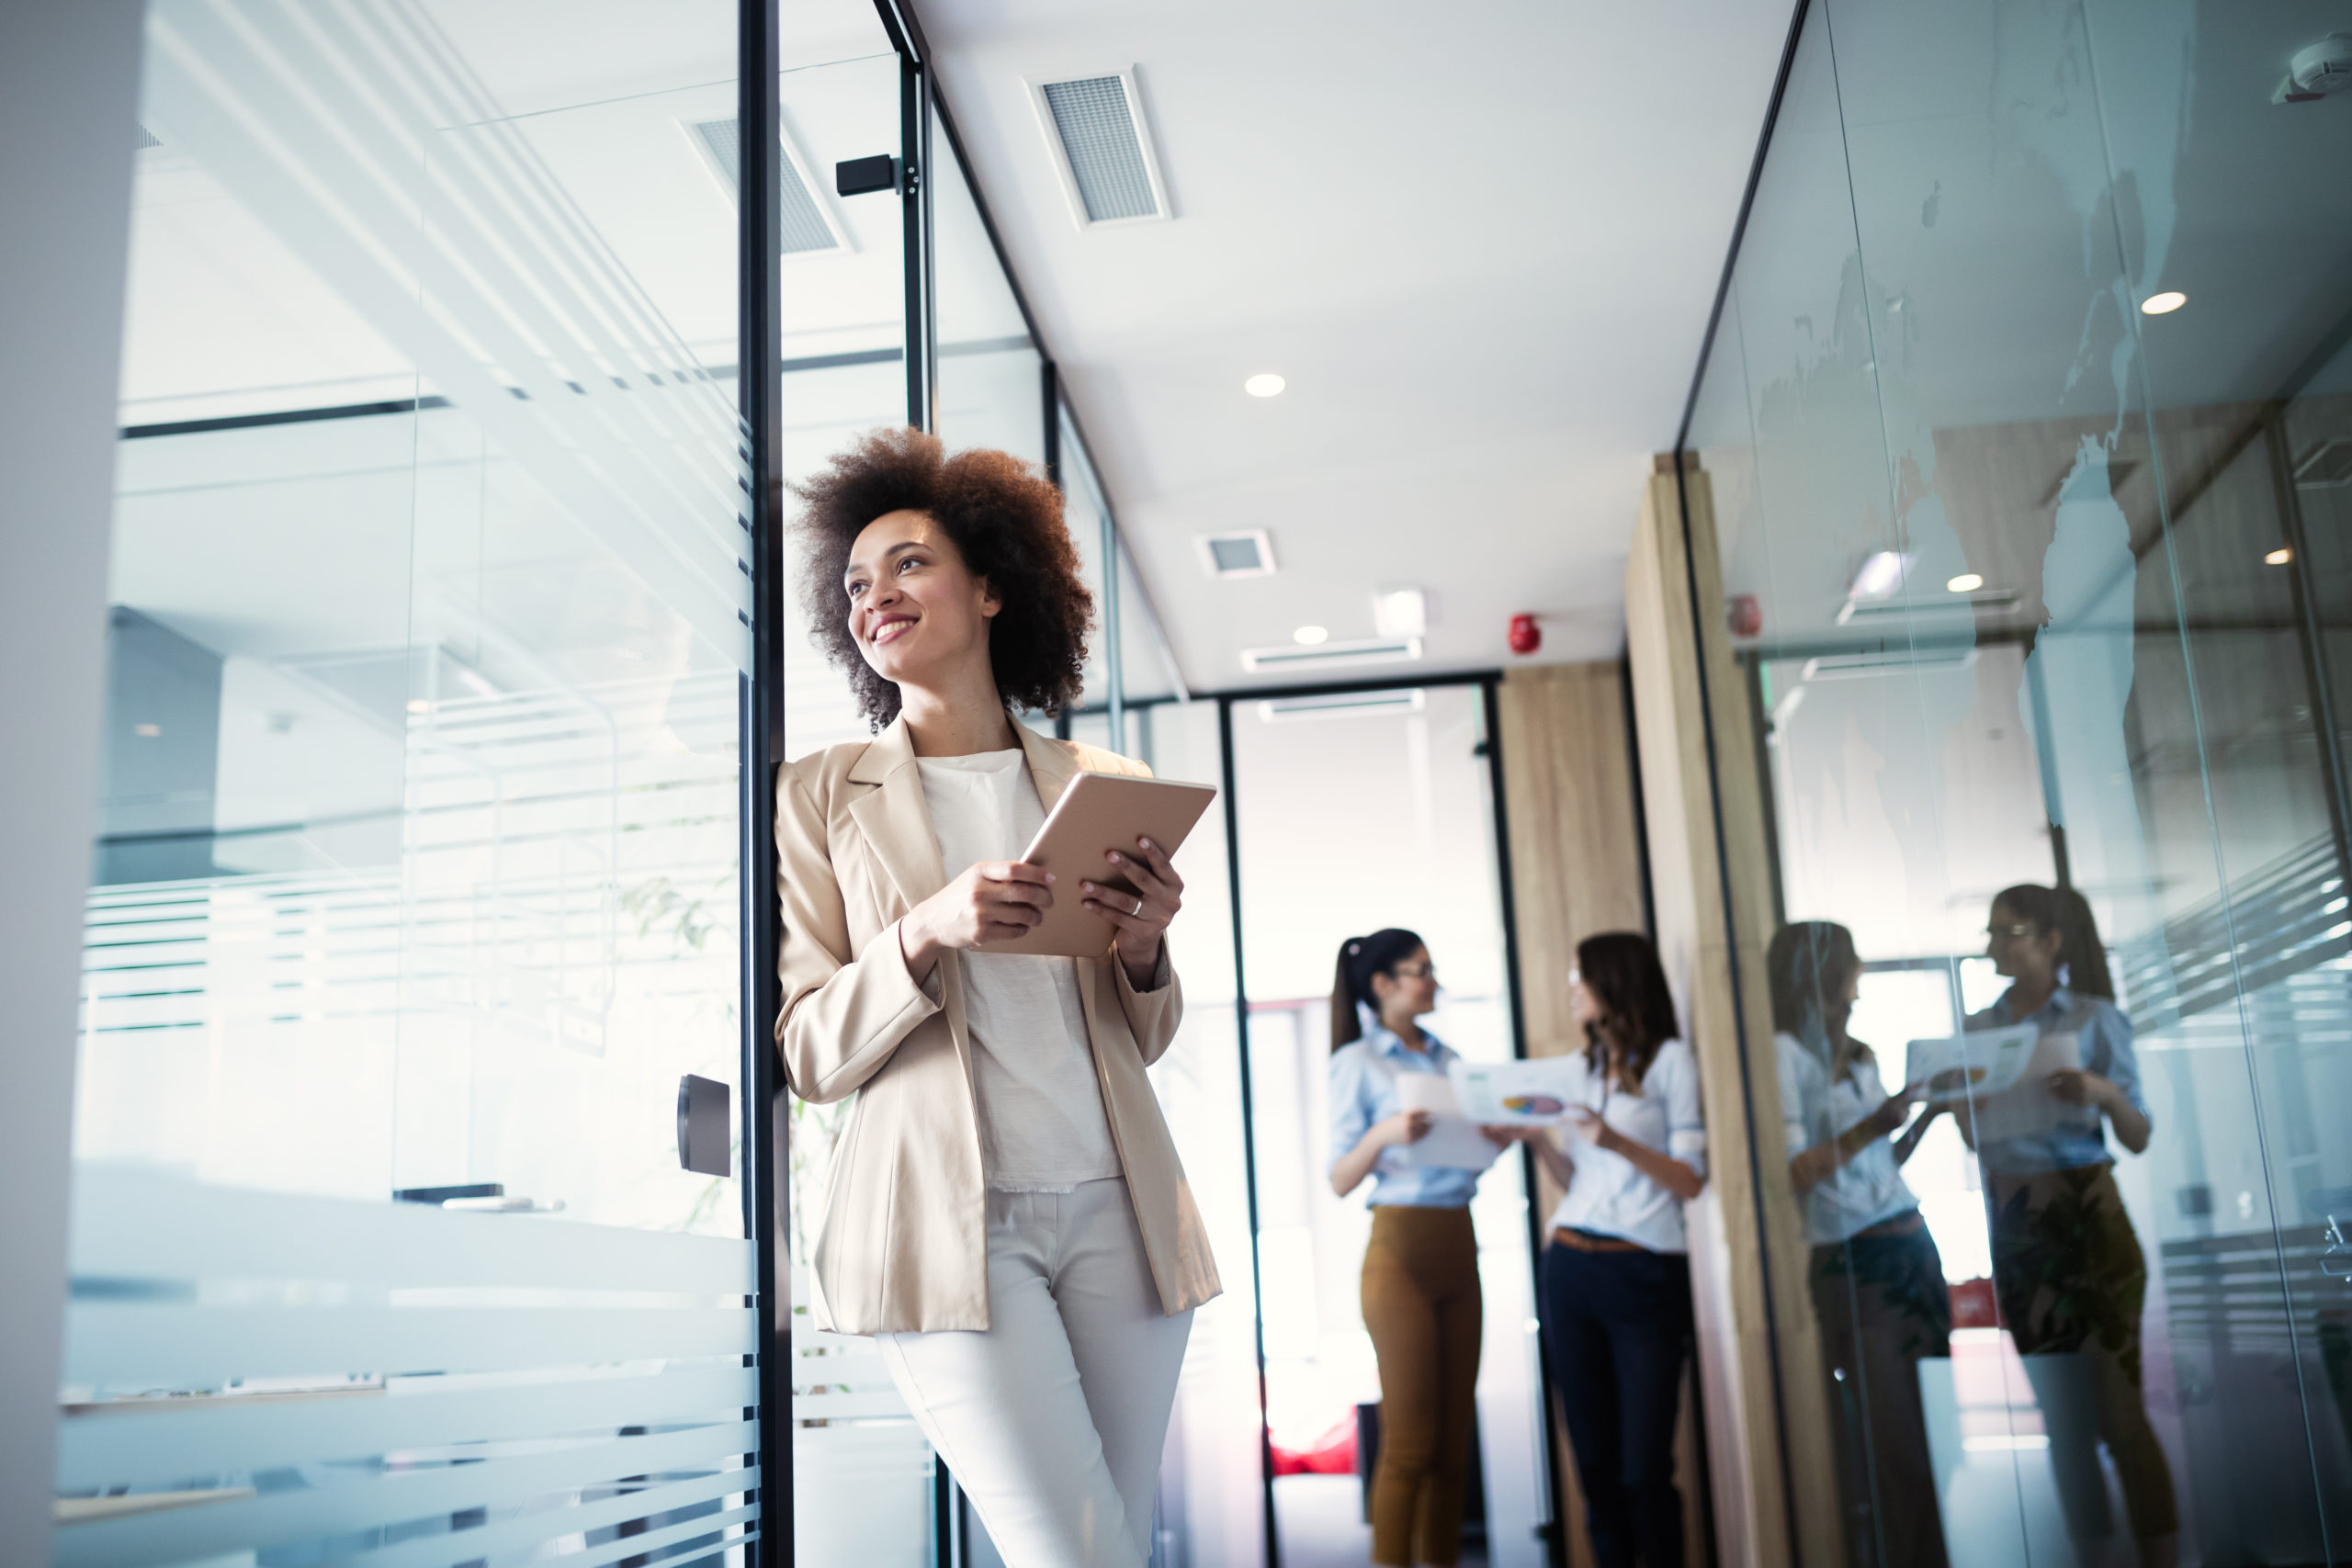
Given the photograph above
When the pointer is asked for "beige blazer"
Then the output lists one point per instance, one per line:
(904, 1243)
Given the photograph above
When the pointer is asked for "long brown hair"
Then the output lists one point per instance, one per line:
(1361, 957)
(2067, 912)
(1807, 967)
(1637, 1009)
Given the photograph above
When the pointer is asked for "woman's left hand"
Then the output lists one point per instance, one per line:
(1140, 917)
(1595, 1130)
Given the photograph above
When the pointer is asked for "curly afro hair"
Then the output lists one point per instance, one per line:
(1005, 521)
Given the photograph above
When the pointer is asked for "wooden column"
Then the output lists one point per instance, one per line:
(1769, 1449)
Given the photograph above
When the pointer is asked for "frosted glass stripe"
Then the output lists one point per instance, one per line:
(115, 1346)
(668, 1535)
(826, 1405)
(133, 1224)
(289, 1518)
(508, 1539)
(157, 1444)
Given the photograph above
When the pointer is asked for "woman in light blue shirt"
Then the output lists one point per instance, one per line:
(2067, 1268)
(1422, 1302)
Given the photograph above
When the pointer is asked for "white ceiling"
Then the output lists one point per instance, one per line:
(1481, 243)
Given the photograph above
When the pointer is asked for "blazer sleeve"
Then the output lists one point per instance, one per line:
(1154, 1013)
(843, 1013)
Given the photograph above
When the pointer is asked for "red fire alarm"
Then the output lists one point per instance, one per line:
(1525, 636)
(1746, 615)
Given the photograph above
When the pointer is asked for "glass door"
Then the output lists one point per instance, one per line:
(413, 931)
(1360, 811)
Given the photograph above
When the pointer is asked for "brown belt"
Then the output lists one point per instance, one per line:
(1902, 1225)
(1585, 1241)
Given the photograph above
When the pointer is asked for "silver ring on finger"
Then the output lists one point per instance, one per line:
(1137, 910)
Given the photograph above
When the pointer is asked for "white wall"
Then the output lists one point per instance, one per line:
(69, 95)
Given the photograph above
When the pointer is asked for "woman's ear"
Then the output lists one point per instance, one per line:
(991, 603)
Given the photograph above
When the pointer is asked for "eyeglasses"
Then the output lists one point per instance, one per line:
(1415, 971)
(2026, 930)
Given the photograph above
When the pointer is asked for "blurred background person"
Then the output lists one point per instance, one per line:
(1422, 1302)
(1876, 1278)
(2067, 1269)
(1616, 1278)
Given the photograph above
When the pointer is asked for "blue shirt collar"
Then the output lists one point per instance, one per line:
(2060, 1002)
(1383, 1040)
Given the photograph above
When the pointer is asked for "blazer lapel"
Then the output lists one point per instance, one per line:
(1051, 764)
(896, 822)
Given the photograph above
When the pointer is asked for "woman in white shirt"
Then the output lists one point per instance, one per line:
(1006, 1211)
(1617, 1275)
(1876, 1277)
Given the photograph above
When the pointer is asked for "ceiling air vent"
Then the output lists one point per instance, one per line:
(148, 138)
(2327, 466)
(808, 224)
(1371, 650)
(1237, 555)
(1094, 129)
(1342, 705)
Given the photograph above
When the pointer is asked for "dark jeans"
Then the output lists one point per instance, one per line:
(1616, 1331)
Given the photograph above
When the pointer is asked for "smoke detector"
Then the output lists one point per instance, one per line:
(2317, 71)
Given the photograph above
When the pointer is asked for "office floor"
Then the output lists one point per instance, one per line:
(1320, 1519)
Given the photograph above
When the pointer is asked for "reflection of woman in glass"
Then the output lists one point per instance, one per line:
(1877, 1280)
(1006, 1213)
(1422, 1302)
(1617, 1275)
(2066, 1267)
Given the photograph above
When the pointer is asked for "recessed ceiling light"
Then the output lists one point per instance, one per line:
(150, 731)
(1266, 386)
(2278, 557)
(1310, 637)
(1966, 582)
(2163, 304)
(419, 704)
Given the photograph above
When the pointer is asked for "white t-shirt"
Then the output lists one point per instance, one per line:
(1042, 1126)
(1608, 1196)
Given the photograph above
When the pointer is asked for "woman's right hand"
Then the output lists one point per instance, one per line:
(1405, 1127)
(993, 901)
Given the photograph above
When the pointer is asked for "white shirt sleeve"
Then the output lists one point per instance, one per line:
(1685, 1126)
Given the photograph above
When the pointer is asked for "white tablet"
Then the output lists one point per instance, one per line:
(1097, 813)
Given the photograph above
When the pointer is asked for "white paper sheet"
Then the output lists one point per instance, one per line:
(1518, 1094)
(1452, 1140)
(1970, 1066)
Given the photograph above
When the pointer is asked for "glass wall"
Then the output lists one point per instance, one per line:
(416, 890)
(2021, 448)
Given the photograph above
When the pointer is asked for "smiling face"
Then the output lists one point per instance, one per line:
(2020, 949)
(918, 614)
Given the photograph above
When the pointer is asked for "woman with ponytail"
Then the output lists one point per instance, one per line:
(2067, 1269)
(1422, 1302)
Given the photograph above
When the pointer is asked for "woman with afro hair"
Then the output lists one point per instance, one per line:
(1006, 1214)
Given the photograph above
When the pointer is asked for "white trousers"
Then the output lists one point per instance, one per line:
(1053, 1419)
